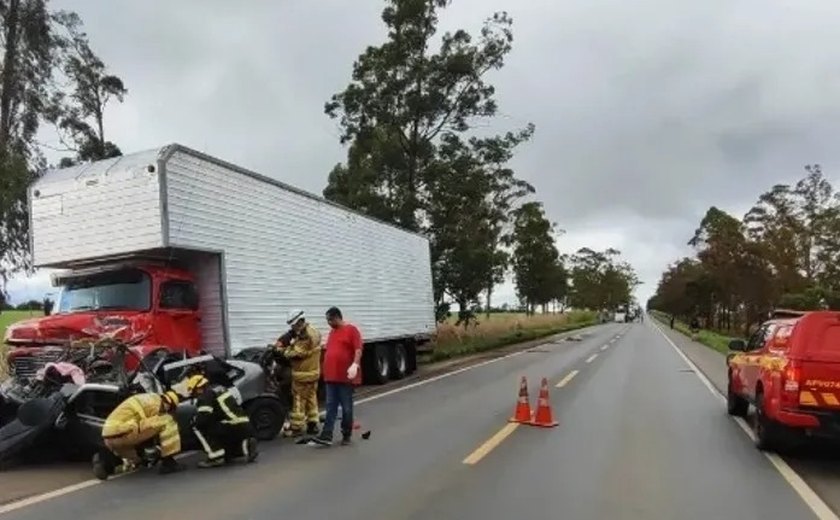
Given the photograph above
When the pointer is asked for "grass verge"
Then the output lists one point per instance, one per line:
(500, 330)
(711, 339)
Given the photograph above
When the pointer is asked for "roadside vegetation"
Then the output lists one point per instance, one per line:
(783, 253)
(502, 329)
(713, 340)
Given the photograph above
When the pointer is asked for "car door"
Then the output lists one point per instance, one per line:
(752, 358)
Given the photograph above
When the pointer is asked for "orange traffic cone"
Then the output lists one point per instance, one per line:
(543, 416)
(522, 413)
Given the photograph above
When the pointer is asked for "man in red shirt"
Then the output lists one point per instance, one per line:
(341, 373)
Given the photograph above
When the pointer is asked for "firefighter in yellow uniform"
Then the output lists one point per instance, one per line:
(304, 354)
(138, 420)
(220, 424)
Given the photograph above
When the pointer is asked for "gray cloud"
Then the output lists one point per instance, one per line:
(647, 112)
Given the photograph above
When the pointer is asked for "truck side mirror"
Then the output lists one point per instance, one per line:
(738, 345)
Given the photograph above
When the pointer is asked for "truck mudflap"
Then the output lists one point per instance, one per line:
(34, 418)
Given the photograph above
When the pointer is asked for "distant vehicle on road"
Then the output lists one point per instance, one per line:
(789, 370)
(208, 257)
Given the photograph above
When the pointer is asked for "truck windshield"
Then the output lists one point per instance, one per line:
(129, 289)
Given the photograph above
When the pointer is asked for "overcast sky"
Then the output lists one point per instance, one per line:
(647, 112)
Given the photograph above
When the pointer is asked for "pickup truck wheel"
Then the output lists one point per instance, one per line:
(736, 405)
(267, 416)
(399, 361)
(767, 432)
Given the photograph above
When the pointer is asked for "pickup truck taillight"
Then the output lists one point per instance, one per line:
(791, 378)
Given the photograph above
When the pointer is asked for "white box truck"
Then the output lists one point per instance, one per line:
(209, 256)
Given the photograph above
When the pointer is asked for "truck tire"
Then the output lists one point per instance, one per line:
(377, 365)
(736, 405)
(768, 433)
(267, 415)
(399, 361)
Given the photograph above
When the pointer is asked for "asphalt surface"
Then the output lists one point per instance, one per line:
(640, 436)
(818, 464)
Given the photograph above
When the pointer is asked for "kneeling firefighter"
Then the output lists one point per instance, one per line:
(220, 424)
(304, 354)
(139, 420)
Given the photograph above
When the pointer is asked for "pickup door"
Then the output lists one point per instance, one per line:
(820, 362)
(748, 363)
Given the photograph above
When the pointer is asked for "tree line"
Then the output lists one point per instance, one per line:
(49, 76)
(783, 253)
(414, 155)
(415, 159)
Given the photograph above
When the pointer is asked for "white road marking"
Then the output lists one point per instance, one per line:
(605, 347)
(805, 492)
(13, 506)
(591, 358)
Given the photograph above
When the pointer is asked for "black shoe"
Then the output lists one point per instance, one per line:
(169, 465)
(250, 449)
(322, 441)
(100, 467)
(346, 440)
(312, 428)
(212, 463)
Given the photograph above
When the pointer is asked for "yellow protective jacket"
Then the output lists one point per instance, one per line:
(305, 355)
(138, 412)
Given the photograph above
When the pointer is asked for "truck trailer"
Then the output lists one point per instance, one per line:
(209, 257)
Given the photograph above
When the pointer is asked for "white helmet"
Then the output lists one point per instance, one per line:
(294, 316)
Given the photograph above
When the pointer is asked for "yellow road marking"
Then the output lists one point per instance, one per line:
(591, 358)
(563, 382)
(491, 444)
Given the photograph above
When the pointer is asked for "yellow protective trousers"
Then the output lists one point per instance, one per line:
(304, 405)
(123, 439)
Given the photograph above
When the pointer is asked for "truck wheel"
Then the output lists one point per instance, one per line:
(267, 415)
(399, 361)
(767, 432)
(378, 365)
(736, 405)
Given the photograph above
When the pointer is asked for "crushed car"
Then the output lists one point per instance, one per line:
(53, 407)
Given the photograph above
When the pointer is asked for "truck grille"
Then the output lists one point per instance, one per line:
(26, 365)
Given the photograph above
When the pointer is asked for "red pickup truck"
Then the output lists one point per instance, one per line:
(789, 370)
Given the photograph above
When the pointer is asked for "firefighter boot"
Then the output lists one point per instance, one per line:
(250, 449)
(101, 467)
(312, 428)
(169, 465)
(212, 463)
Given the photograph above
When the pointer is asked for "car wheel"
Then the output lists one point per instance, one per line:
(399, 361)
(767, 432)
(267, 416)
(736, 405)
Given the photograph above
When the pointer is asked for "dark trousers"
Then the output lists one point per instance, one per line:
(224, 440)
(338, 394)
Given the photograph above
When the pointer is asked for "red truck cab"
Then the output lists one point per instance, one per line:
(159, 302)
(789, 370)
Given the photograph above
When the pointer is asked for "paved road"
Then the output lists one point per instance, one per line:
(640, 437)
(818, 464)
